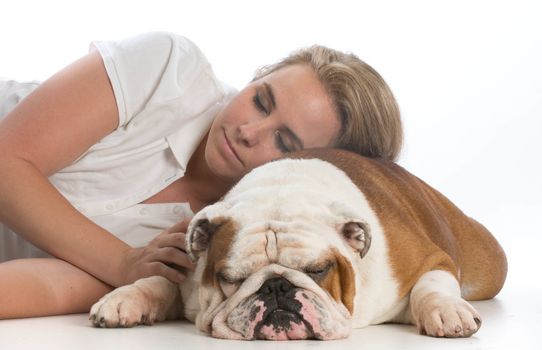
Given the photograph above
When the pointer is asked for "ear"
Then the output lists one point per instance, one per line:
(198, 237)
(202, 228)
(355, 231)
(357, 235)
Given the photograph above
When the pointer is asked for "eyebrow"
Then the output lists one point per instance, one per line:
(291, 134)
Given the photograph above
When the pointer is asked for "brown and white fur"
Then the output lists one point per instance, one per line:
(363, 240)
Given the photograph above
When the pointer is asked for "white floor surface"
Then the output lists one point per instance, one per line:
(510, 321)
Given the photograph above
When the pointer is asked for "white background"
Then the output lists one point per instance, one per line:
(468, 78)
(467, 75)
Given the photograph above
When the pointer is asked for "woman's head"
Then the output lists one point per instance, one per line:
(316, 97)
(284, 111)
(370, 118)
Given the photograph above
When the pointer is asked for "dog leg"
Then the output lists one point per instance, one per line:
(438, 309)
(143, 302)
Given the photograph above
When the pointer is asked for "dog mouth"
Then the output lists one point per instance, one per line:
(298, 315)
(283, 325)
(283, 315)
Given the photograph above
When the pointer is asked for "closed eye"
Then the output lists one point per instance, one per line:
(279, 139)
(281, 144)
(318, 273)
(226, 279)
(257, 99)
(285, 139)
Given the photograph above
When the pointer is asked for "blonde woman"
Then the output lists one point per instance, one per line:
(103, 164)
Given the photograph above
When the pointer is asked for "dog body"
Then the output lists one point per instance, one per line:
(312, 246)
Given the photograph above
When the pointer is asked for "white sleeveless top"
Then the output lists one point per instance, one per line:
(167, 96)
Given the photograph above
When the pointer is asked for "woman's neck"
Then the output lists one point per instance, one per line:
(202, 183)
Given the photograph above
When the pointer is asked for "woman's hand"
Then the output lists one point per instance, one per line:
(164, 256)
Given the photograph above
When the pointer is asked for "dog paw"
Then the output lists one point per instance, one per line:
(124, 307)
(445, 316)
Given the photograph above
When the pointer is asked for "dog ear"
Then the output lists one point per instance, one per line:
(357, 235)
(202, 228)
(355, 231)
(199, 236)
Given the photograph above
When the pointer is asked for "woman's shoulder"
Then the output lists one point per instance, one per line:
(150, 44)
(153, 68)
(163, 38)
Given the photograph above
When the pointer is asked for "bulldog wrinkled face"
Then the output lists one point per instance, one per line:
(276, 280)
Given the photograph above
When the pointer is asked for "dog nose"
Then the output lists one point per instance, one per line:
(277, 286)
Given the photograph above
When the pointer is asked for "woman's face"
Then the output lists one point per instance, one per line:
(285, 111)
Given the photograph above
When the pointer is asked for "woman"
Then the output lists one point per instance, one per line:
(138, 135)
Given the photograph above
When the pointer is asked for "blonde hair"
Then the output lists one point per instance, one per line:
(370, 117)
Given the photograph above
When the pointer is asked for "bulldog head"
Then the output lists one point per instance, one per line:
(276, 258)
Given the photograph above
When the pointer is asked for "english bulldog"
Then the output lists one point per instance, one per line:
(317, 244)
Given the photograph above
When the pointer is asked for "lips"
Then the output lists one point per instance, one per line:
(230, 147)
(284, 325)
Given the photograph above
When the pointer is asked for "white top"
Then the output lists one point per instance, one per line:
(167, 96)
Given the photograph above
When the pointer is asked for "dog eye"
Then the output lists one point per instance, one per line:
(318, 273)
(228, 280)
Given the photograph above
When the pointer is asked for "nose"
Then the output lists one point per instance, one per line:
(251, 133)
(276, 286)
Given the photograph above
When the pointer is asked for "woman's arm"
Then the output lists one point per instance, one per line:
(43, 287)
(45, 132)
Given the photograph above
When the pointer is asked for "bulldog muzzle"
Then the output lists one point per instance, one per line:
(278, 303)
